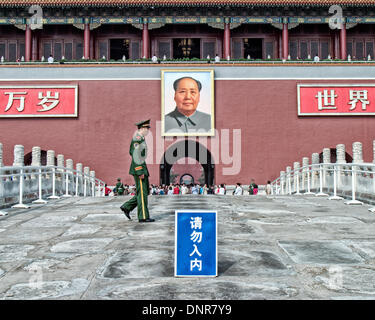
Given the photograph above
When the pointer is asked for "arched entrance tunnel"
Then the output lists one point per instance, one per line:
(187, 149)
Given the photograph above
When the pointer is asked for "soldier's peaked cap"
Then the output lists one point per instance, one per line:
(143, 124)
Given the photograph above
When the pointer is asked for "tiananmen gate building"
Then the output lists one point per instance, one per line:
(294, 77)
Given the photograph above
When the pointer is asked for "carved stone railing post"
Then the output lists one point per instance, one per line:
(305, 163)
(86, 172)
(326, 162)
(59, 171)
(92, 179)
(37, 162)
(68, 177)
(340, 159)
(51, 162)
(296, 168)
(357, 152)
(288, 179)
(78, 177)
(19, 156)
(282, 182)
(35, 159)
(314, 169)
(357, 158)
(50, 157)
(340, 153)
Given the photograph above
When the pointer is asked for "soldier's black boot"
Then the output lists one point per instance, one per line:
(126, 212)
(147, 220)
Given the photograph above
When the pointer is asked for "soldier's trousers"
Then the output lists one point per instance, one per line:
(140, 198)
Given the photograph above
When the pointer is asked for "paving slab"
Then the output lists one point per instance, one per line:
(269, 247)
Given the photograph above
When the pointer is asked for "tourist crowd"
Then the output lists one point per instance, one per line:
(181, 189)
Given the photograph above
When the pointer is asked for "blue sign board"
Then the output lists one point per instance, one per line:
(195, 243)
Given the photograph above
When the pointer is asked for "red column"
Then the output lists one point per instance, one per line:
(280, 46)
(86, 40)
(226, 40)
(28, 43)
(343, 42)
(337, 45)
(285, 41)
(145, 42)
(34, 47)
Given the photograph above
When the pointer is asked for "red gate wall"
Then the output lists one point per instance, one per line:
(272, 134)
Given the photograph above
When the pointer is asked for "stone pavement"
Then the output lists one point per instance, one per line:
(284, 247)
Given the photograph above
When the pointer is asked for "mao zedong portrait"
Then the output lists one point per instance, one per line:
(185, 118)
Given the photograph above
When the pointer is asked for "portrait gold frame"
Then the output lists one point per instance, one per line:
(211, 95)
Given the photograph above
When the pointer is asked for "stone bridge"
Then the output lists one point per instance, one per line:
(269, 247)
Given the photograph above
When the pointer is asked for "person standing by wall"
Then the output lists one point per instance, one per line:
(119, 187)
(238, 191)
(253, 188)
(268, 188)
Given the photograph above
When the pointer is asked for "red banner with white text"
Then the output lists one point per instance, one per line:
(38, 101)
(336, 100)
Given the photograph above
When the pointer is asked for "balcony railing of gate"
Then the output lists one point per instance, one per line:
(354, 181)
(20, 184)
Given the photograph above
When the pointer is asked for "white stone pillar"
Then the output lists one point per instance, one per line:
(69, 164)
(79, 167)
(296, 184)
(326, 167)
(357, 158)
(326, 155)
(60, 163)
(340, 153)
(305, 163)
(69, 177)
(282, 182)
(60, 160)
(19, 155)
(50, 161)
(357, 152)
(92, 179)
(340, 159)
(86, 171)
(36, 157)
(50, 157)
(288, 179)
(36, 161)
(373, 151)
(315, 169)
(79, 181)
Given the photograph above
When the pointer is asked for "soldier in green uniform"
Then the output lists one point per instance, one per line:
(138, 169)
